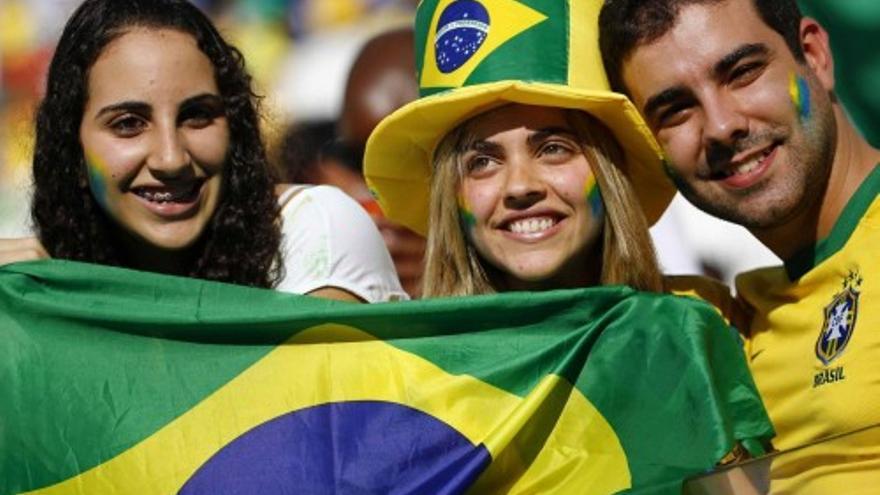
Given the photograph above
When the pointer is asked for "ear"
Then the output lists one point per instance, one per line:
(817, 51)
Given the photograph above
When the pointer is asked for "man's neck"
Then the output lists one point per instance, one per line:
(854, 159)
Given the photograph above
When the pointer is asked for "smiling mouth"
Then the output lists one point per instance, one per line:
(748, 166)
(184, 193)
(532, 225)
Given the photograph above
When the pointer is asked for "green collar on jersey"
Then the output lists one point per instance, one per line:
(806, 259)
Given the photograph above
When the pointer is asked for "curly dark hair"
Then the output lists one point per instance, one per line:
(625, 25)
(241, 242)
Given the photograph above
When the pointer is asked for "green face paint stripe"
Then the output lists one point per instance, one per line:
(465, 215)
(594, 197)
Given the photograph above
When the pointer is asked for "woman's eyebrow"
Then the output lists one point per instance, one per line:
(482, 146)
(544, 133)
(211, 99)
(126, 106)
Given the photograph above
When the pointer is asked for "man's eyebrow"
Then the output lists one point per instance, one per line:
(664, 98)
(723, 66)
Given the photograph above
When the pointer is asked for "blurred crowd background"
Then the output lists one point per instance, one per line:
(300, 53)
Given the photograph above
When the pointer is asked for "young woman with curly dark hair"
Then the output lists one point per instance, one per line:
(149, 156)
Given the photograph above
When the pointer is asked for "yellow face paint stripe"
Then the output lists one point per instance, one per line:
(99, 176)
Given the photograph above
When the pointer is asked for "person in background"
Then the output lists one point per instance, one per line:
(745, 110)
(148, 156)
(379, 81)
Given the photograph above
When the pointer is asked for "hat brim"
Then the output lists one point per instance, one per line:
(399, 152)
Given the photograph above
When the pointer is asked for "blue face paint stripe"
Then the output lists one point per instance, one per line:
(597, 206)
(803, 98)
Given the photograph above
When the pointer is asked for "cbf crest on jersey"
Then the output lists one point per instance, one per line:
(840, 320)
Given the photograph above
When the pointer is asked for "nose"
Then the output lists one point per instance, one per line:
(725, 123)
(524, 185)
(169, 156)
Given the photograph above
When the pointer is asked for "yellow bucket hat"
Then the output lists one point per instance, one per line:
(475, 55)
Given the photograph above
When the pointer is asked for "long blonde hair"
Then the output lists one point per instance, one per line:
(454, 268)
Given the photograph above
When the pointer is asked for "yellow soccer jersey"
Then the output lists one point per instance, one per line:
(814, 348)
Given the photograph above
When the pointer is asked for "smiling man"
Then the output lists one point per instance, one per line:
(740, 94)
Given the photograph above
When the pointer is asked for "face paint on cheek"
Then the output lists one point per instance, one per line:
(799, 91)
(99, 174)
(594, 198)
(466, 217)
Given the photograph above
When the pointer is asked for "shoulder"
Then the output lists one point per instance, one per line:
(671, 306)
(755, 284)
(325, 209)
(670, 316)
(712, 291)
(330, 241)
(324, 197)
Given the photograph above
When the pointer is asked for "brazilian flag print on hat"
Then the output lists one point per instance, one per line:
(475, 55)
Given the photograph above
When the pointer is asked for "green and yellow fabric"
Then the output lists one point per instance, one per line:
(118, 382)
(474, 55)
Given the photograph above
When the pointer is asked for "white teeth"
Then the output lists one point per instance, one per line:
(159, 197)
(752, 164)
(746, 167)
(167, 194)
(531, 225)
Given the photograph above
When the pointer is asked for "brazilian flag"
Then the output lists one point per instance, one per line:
(119, 382)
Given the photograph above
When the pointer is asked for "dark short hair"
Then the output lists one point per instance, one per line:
(625, 25)
(241, 242)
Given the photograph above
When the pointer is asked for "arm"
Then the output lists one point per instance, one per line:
(335, 294)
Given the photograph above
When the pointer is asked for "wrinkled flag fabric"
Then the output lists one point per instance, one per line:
(114, 381)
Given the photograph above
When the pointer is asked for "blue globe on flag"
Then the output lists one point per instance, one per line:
(354, 447)
(461, 30)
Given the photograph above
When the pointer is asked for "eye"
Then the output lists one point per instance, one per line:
(746, 73)
(199, 116)
(674, 114)
(128, 125)
(477, 164)
(557, 150)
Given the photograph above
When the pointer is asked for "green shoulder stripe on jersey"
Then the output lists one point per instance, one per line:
(855, 209)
